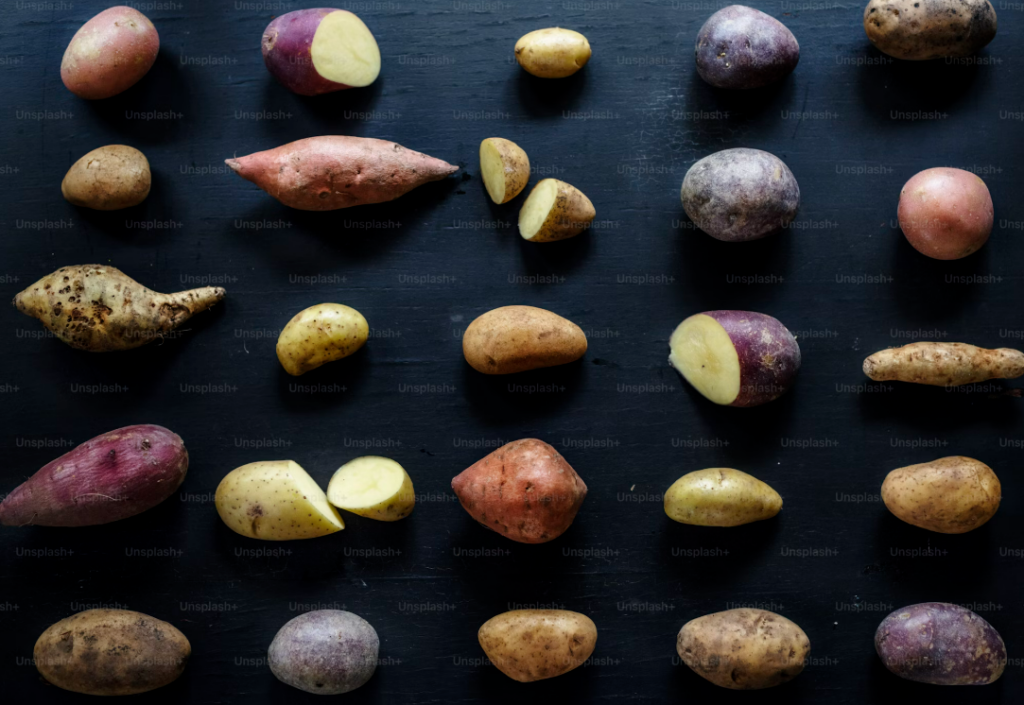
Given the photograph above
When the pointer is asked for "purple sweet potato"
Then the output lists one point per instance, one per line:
(735, 358)
(320, 50)
(327, 652)
(941, 644)
(740, 47)
(110, 477)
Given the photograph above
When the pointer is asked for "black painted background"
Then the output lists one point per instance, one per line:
(424, 266)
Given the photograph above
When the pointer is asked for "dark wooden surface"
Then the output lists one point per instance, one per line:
(624, 131)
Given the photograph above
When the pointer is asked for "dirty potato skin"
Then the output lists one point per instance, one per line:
(744, 649)
(941, 644)
(742, 48)
(946, 213)
(720, 497)
(97, 308)
(515, 339)
(111, 652)
(554, 211)
(919, 30)
(320, 334)
(110, 53)
(531, 645)
(108, 179)
(553, 52)
(943, 364)
(951, 495)
(326, 652)
(525, 491)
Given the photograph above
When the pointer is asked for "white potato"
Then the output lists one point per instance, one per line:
(320, 334)
(373, 487)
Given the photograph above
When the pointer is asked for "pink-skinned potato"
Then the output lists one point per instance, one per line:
(110, 53)
(946, 213)
(336, 171)
(113, 476)
(735, 358)
(320, 50)
(525, 491)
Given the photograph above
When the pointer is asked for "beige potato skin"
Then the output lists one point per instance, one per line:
(553, 52)
(517, 166)
(108, 179)
(951, 495)
(320, 334)
(744, 649)
(720, 497)
(111, 652)
(515, 339)
(919, 30)
(944, 364)
(531, 645)
(570, 215)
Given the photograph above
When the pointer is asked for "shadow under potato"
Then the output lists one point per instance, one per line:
(346, 112)
(549, 97)
(524, 397)
(327, 386)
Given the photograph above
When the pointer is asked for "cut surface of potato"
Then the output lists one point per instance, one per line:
(505, 168)
(703, 352)
(344, 50)
(537, 207)
(373, 487)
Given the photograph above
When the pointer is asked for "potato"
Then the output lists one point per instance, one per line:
(327, 652)
(110, 53)
(950, 495)
(946, 213)
(929, 29)
(553, 52)
(111, 652)
(531, 645)
(505, 168)
(320, 50)
(740, 194)
(373, 487)
(554, 210)
(735, 358)
(744, 649)
(513, 339)
(108, 179)
(941, 644)
(943, 364)
(720, 497)
(525, 491)
(320, 334)
(275, 500)
(740, 47)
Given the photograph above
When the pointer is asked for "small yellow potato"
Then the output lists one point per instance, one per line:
(951, 495)
(531, 645)
(720, 497)
(275, 500)
(512, 339)
(320, 334)
(505, 168)
(553, 52)
(108, 179)
(555, 210)
(373, 487)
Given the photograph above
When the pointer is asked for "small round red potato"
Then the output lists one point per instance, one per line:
(110, 53)
(946, 213)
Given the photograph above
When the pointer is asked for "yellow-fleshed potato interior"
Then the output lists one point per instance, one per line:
(537, 207)
(344, 50)
(492, 169)
(370, 482)
(704, 354)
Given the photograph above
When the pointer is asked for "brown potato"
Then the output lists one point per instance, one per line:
(918, 30)
(108, 179)
(514, 339)
(951, 495)
(553, 52)
(504, 167)
(555, 210)
(946, 213)
(531, 645)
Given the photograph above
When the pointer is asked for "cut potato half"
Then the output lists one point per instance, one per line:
(553, 211)
(505, 168)
(705, 355)
(373, 487)
(344, 50)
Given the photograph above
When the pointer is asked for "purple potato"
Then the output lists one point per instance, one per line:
(327, 652)
(740, 47)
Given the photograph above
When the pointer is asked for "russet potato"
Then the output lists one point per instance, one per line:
(531, 645)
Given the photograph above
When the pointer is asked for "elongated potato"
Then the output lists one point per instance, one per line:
(720, 497)
(108, 179)
(531, 645)
(944, 364)
(110, 53)
(555, 210)
(505, 168)
(918, 30)
(320, 334)
(373, 487)
(950, 495)
(744, 649)
(553, 52)
(515, 339)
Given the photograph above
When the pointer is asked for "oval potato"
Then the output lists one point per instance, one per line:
(110, 53)
(514, 339)
(108, 179)
(553, 52)
(742, 48)
(951, 495)
(918, 30)
(327, 652)
(531, 645)
(720, 497)
(320, 334)
(946, 213)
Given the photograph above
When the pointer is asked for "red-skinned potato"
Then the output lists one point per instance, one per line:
(110, 53)
(946, 213)
(525, 491)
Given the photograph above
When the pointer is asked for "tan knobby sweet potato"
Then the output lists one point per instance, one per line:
(944, 364)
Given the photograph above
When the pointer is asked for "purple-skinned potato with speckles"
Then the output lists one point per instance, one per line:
(742, 48)
(327, 652)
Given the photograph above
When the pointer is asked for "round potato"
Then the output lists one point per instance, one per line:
(531, 645)
(553, 52)
(373, 487)
(740, 194)
(515, 339)
(946, 213)
(320, 334)
(108, 179)
(919, 30)
(110, 53)
(720, 497)
(950, 495)
(740, 47)
(505, 168)
(327, 652)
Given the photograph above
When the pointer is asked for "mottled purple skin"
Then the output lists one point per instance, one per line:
(741, 48)
(768, 352)
(110, 477)
(286, 44)
(741, 194)
(941, 644)
(327, 652)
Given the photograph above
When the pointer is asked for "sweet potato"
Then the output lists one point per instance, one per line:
(110, 477)
(336, 171)
(525, 491)
(944, 364)
(100, 309)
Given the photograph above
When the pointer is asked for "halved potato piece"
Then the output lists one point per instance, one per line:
(505, 168)
(344, 50)
(553, 211)
(373, 487)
